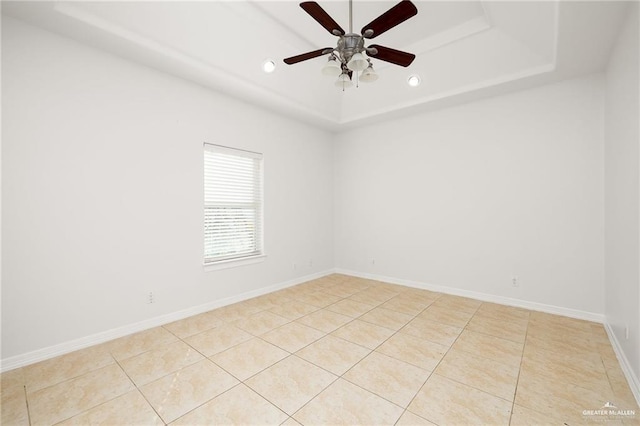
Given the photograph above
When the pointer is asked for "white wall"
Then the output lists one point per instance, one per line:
(102, 169)
(470, 196)
(622, 191)
(102, 194)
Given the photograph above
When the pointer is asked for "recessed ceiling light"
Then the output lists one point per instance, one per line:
(268, 66)
(414, 80)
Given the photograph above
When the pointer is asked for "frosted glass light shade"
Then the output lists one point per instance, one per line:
(344, 81)
(332, 68)
(369, 75)
(357, 62)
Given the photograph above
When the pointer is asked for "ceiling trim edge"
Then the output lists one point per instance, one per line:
(251, 92)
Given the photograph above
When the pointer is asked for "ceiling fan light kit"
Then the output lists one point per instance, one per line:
(344, 81)
(369, 75)
(332, 68)
(351, 56)
(357, 62)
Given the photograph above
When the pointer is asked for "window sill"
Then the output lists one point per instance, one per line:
(234, 263)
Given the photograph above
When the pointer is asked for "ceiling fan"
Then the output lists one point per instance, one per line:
(349, 56)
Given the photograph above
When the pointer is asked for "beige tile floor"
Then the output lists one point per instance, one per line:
(337, 350)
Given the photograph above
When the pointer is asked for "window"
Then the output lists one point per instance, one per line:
(232, 204)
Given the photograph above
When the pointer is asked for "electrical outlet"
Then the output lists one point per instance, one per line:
(150, 299)
(515, 282)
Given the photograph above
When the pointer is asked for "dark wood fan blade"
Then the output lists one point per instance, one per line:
(309, 55)
(322, 17)
(392, 17)
(394, 56)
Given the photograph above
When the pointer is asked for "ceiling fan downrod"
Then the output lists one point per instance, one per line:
(350, 16)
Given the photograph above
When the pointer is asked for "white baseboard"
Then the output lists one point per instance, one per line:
(534, 306)
(94, 339)
(83, 342)
(632, 379)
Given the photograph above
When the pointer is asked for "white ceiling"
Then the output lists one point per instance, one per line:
(464, 50)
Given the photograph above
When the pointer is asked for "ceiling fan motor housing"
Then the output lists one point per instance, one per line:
(350, 44)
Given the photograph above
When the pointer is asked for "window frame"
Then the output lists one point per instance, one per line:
(234, 259)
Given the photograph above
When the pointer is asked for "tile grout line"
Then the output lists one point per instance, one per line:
(338, 377)
(243, 382)
(572, 383)
(314, 396)
(104, 402)
(491, 335)
(258, 336)
(436, 366)
(217, 365)
(139, 391)
(208, 401)
(373, 350)
(204, 358)
(65, 380)
(515, 392)
(473, 387)
(349, 369)
(240, 382)
(26, 401)
(117, 362)
(325, 334)
(70, 380)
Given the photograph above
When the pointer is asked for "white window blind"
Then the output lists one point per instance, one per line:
(232, 203)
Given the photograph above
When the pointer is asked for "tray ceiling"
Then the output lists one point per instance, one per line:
(464, 49)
